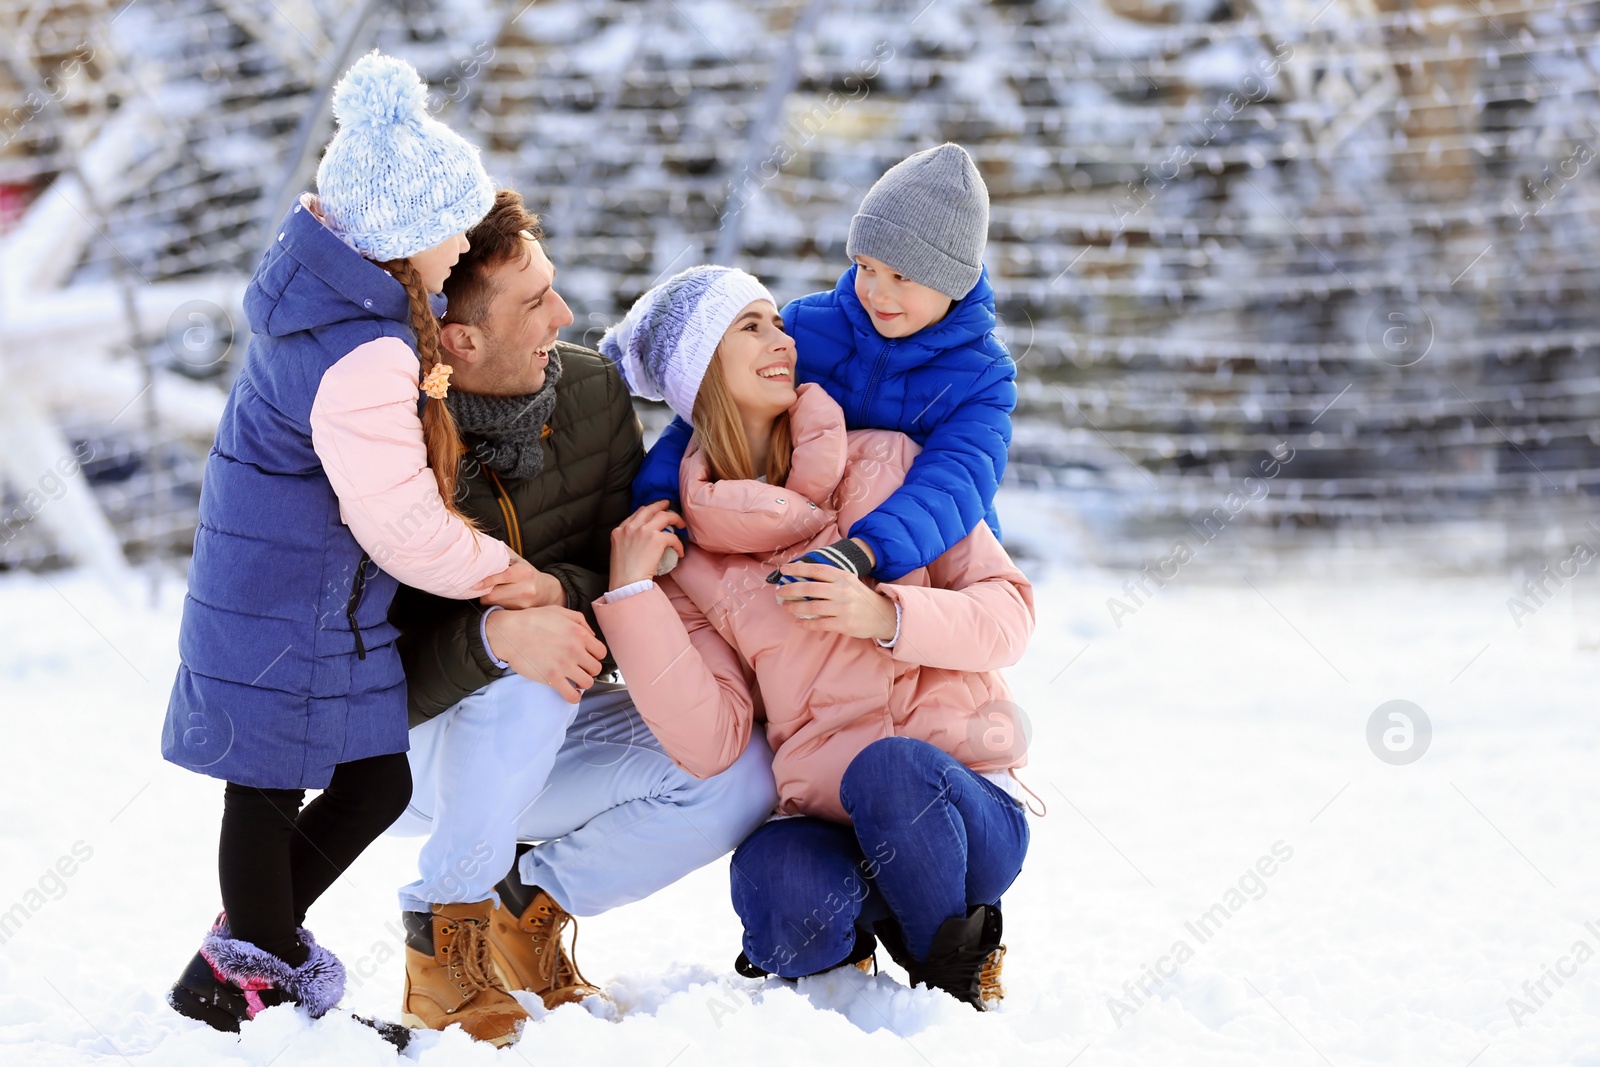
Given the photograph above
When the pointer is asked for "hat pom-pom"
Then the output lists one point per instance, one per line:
(380, 90)
(618, 346)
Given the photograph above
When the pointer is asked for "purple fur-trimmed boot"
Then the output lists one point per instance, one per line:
(230, 981)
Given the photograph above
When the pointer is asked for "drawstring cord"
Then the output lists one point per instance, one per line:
(1042, 811)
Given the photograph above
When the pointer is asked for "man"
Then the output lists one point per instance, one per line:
(518, 735)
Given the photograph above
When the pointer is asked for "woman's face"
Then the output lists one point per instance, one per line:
(758, 362)
(433, 264)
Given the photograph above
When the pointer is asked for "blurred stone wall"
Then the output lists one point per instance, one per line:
(1357, 233)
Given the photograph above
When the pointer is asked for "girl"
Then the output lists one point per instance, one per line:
(317, 500)
(889, 721)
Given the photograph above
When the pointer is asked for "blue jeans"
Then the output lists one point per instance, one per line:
(615, 818)
(930, 839)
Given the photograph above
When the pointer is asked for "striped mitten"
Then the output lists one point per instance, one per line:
(845, 554)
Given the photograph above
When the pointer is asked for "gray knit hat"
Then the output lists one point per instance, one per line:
(665, 342)
(394, 180)
(928, 218)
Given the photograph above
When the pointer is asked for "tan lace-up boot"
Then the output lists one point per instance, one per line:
(450, 975)
(529, 953)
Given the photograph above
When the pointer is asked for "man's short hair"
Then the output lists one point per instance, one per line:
(496, 240)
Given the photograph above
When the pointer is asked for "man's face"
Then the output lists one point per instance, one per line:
(512, 343)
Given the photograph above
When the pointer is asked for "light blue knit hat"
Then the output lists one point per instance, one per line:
(665, 342)
(394, 180)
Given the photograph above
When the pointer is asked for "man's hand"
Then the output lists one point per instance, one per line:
(552, 645)
(833, 599)
(522, 585)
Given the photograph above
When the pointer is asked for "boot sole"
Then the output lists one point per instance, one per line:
(415, 1022)
(503, 974)
(184, 1001)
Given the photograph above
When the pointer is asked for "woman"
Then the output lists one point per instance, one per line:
(883, 703)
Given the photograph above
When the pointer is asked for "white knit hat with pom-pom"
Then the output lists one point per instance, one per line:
(394, 180)
(664, 344)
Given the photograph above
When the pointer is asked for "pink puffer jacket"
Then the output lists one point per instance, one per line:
(709, 651)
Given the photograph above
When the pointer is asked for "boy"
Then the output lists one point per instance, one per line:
(905, 341)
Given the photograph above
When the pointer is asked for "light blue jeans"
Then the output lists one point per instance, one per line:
(615, 819)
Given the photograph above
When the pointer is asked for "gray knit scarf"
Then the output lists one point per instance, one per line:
(503, 431)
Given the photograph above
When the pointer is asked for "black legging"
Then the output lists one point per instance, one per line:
(275, 860)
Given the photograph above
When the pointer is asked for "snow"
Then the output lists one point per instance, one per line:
(1219, 723)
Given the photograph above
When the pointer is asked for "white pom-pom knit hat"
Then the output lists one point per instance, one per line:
(665, 342)
(394, 180)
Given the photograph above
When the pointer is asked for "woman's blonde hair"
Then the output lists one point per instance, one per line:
(439, 430)
(716, 423)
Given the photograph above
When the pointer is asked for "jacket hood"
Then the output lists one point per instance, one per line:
(746, 516)
(309, 278)
(967, 323)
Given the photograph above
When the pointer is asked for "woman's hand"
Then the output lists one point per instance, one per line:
(638, 544)
(840, 602)
(522, 585)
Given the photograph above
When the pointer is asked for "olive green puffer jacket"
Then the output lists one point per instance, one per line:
(563, 520)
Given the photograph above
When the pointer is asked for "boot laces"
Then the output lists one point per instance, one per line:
(470, 959)
(547, 925)
(989, 984)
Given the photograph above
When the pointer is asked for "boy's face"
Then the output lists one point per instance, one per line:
(898, 306)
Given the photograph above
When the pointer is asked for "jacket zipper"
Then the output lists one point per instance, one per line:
(872, 383)
(507, 512)
(357, 588)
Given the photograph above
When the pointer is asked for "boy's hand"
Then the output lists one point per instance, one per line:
(872, 557)
(850, 555)
(824, 597)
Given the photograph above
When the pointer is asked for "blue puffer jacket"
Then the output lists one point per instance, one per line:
(950, 387)
(288, 664)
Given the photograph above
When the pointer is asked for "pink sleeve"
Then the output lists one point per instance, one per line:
(976, 616)
(689, 685)
(365, 429)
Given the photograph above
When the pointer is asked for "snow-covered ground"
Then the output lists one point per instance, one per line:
(1218, 734)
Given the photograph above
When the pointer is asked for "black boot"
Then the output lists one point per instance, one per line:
(964, 960)
(862, 954)
(199, 994)
(214, 989)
